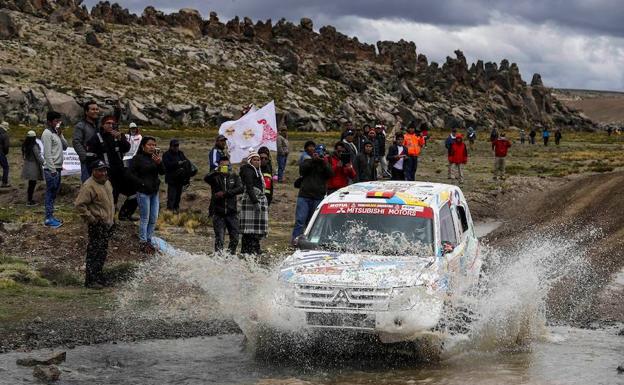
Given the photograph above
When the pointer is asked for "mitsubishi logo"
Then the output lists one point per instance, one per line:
(341, 298)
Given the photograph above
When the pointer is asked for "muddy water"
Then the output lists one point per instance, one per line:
(567, 356)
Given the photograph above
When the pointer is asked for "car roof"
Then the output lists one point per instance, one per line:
(427, 194)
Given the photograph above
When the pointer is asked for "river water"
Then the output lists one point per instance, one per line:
(509, 342)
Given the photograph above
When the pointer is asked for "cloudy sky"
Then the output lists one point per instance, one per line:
(572, 43)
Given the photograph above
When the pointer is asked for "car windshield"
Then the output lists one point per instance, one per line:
(376, 234)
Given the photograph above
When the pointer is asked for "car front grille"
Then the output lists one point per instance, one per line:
(356, 299)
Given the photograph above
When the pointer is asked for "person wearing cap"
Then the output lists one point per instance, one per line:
(314, 173)
(254, 214)
(84, 130)
(4, 151)
(134, 138)
(308, 150)
(54, 144)
(110, 145)
(176, 164)
(396, 157)
(282, 153)
(365, 166)
(225, 187)
(96, 206)
(218, 151)
(414, 143)
(32, 171)
(146, 168)
(458, 157)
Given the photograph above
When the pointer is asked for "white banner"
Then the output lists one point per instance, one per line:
(71, 162)
(252, 131)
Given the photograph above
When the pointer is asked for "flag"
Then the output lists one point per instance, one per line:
(255, 129)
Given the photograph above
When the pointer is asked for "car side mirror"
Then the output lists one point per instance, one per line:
(302, 243)
(447, 248)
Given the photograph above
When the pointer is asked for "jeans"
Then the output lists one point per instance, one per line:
(397, 174)
(174, 195)
(303, 214)
(148, 210)
(409, 166)
(4, 163)
(84, 172)
(53, 185)
(220, 223)
(281, 166)
(97, 249)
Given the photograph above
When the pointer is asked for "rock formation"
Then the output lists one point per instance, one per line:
(179, 68)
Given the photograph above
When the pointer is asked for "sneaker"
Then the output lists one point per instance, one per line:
(58, 220)
(31, 203)
(52, 223)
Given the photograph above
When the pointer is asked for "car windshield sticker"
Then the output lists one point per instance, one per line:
(377, 209)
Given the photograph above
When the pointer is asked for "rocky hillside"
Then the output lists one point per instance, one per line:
(183, 70)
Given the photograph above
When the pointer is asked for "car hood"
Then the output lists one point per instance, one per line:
(359, 270)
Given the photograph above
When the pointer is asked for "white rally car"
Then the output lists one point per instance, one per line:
(379, 257)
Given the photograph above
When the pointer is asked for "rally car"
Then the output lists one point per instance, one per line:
(379, 257)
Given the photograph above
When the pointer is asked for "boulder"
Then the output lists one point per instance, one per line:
(306, 24)
(330, 70)
(47, 373)
(64, 104)
(134, 113)
(9, 29)
(137, 63)
(93, 39)
(63, 15)
(290, 61)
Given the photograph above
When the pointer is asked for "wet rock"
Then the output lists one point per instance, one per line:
(47, 373)
(54, 360)
(94, 40)
(9, 29)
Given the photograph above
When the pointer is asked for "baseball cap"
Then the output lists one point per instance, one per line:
(132, 125)
(220, 137)
(98, 164)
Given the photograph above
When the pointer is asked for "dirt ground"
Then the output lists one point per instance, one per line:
(577, 182)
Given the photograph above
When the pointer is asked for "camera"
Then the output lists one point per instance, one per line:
(345, 158)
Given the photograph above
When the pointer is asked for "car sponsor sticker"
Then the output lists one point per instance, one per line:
(377, 209)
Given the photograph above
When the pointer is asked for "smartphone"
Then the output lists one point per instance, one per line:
(157, 151)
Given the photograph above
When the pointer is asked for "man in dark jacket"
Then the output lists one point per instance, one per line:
(396, 157)
(380, 130)
(365, 164)
(83, 132)
(109, 145)
(175, 163)
(225, 187)
(315, 173)
(217, 152)
(4, 151)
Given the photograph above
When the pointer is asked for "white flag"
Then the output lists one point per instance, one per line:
(252, 131)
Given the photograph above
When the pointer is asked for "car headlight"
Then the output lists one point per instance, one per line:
(284, 294)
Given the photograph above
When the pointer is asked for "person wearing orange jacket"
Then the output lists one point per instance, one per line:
(413, 142)
(458, 157)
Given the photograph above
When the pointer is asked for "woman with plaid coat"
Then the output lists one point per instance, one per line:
(254, 215)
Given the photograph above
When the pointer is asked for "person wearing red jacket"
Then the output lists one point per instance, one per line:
(343, 170)
(500, 147)
(458, 157)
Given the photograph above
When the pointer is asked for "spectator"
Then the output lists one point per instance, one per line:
(609, 130)
(315, 173)
(54, 144)
(254, 220)
(134, 138)
(342, 169)
(500, 147)
(349, 146)
(225, 186)
(472, 136)
(396, 157)
(109, 145)
(558, 136)
(493, 134)
(96, 206)
(33, 165)
(176, 177)
(4, 151)
(413, 142)
(522, 136)
(458, 157)
(532, 135)
(424, 132)
(381, 149)
(308, 151)
(266, 167)
(359, 138)
(448, 144)
(282, 153)
(365, 164)
(348, 126)
(217, 152)
(146, 168)
(84, 130)
(545, 135)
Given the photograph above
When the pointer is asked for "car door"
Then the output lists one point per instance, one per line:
(450, 243)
